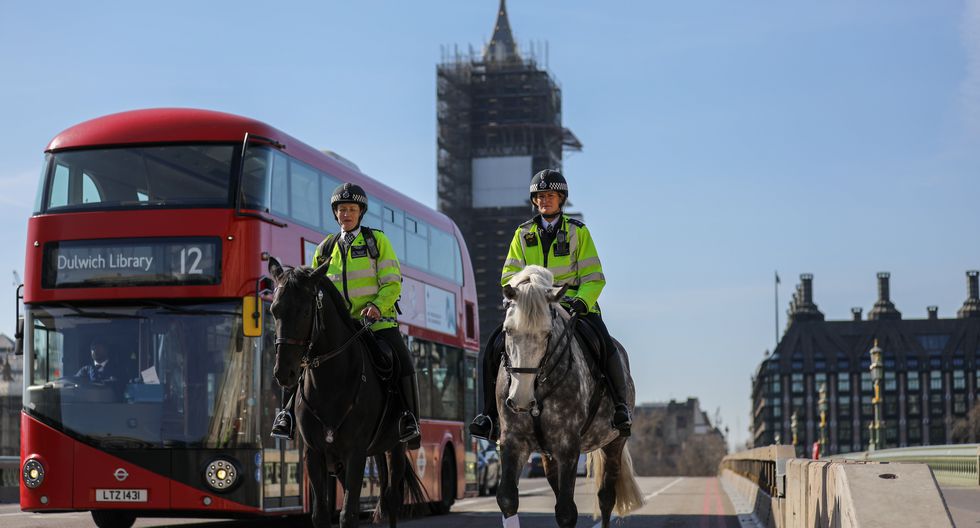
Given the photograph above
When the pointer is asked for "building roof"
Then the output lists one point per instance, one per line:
(502, 47)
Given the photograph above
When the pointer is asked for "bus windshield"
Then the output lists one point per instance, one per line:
(144, 176)
(144, 376)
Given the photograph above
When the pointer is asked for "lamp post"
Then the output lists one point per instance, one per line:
(822, 407)
(877, 373)
(794, 428)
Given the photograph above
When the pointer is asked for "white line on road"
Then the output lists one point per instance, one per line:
(520, 493)
(646, 498)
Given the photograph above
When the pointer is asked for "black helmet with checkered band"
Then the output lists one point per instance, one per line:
(549, 180)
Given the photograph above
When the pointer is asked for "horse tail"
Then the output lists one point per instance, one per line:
(414, 491)
(629, 497)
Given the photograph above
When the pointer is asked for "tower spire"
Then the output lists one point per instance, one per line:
(502, 47)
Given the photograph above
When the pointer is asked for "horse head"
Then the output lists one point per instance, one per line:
(528, 324)
(297, 294)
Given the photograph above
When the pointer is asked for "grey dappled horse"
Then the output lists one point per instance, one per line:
(544, 396)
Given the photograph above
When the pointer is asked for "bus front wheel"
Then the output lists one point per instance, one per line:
(113, 519)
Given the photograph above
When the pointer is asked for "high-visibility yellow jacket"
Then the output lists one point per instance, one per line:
(574, 262)
(362, 279)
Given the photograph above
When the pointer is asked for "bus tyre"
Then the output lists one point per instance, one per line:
(113, 519)
(447, 482)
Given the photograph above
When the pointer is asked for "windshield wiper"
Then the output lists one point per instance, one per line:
(190, 311)
(97, 315)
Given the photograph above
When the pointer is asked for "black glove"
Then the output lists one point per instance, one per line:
(578, 307)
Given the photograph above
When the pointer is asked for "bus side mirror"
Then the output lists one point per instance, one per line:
(19, 333)
(19, 337)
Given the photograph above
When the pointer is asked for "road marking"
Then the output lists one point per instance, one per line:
(520, 493)
(645, 499)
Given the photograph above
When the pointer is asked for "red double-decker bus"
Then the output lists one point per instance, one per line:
(148, 386)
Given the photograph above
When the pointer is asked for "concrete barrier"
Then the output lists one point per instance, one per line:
(833, 493)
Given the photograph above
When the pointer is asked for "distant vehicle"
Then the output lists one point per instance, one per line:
(583, 467)
(535, 466)
(487, 468)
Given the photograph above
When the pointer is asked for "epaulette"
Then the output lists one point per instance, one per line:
(529, 222)
(576, 222)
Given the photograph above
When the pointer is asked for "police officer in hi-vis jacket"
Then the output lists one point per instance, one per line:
(565, 247)
(364, 268)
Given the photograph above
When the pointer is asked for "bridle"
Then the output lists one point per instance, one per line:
(309, 360)
(549, 351)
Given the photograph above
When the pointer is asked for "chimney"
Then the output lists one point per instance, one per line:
(933, 312)
(971, 306)
(802, 307)
(856, 313)
(883, 308)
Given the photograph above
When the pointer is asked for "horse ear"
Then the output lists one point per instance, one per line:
(510, 292)
(321, 270)
(275, 269)
(559, 293)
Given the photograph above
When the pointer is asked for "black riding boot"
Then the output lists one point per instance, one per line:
(486, 425)
(616, 374)
(408, 425)
(284, 425)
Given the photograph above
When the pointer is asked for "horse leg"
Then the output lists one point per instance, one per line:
(566, 513)
(613, 452)
(316, 468)
(353, 477)
(396, 484)
(382, 507)
(513, 456)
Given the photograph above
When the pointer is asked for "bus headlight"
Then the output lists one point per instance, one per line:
(33, 473)
(221, 474)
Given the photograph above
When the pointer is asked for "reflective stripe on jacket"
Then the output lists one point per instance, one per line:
(362, 279)
(580, 268)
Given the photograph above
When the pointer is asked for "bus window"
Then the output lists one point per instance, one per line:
(256, 178)
(304, 192)
(279, 199)
(59, 187)
(372, 218)
(442, 258)
(416, 243)
(394, 228)
(90, 191)
(420, 355)
(327, 185)
(445, 364)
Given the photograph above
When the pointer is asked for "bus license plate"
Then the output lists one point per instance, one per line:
(120, 495)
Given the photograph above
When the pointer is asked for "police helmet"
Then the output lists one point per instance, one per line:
(549, 180)
(349, 193)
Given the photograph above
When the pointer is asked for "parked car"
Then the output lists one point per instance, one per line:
(487, 468)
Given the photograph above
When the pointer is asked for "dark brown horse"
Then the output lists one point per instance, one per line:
(544, 397)
(343, 409)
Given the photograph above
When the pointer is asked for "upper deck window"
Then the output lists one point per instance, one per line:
(173, 175)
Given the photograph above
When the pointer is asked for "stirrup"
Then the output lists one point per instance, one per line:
(483, 427)
(408, 428)
(282, 426)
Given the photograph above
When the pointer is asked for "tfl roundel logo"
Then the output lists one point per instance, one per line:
(120, 474)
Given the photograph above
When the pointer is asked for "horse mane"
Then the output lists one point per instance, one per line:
(533, 299)
(301, 277)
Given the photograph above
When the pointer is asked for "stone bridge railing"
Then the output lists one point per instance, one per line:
(771, 488)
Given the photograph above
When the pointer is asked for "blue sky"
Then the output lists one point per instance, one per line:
(723, 140)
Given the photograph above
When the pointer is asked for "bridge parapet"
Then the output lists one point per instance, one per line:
(957, 464)
(784, 492)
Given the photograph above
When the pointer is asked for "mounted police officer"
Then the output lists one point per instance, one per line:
(564, 246)
(364, 268)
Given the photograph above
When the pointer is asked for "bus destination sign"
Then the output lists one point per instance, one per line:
(132, 262)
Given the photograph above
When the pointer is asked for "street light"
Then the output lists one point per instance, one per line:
(822, 407)
(877, 374)
(793, 426)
